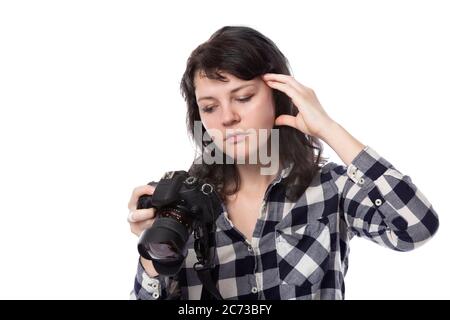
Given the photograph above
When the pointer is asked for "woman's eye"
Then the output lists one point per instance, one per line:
(208, 109)
(244, 99)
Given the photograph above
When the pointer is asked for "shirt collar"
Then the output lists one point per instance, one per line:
(285, 171)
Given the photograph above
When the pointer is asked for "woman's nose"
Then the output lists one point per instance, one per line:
(229, 116)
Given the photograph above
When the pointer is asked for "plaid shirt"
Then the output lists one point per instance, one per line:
(299, 250)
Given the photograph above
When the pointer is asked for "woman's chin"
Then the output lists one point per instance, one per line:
(241, 157)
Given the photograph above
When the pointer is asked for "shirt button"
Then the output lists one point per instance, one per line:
(155, 295)
(250, 249)
(361, 181)
(378, 202)
(254, 290)
(154, 285)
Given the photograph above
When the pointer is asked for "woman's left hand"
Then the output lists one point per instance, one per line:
(311, 118)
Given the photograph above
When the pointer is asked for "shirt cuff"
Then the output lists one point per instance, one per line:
(146, 287)
(367, 167)
(365, 170)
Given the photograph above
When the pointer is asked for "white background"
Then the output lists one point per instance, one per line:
(90, 108)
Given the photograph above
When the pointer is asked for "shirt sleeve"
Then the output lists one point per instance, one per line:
(154, 288)
(383, 205)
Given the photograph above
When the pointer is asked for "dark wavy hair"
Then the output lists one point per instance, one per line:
(246, 53)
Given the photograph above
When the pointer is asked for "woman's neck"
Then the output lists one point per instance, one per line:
(252, 181)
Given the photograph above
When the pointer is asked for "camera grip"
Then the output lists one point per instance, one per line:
(145, 201)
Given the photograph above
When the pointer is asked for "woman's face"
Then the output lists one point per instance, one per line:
(236, 106)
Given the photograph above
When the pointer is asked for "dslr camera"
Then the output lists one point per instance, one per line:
(183, 204)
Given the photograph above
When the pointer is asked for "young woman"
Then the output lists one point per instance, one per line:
(283, 235)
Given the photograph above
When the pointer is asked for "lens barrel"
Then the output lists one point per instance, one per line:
(165, 242)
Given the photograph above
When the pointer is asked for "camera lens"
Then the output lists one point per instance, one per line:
(162, 250)
(165, 242)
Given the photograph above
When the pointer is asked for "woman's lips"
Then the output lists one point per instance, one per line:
(236, 138)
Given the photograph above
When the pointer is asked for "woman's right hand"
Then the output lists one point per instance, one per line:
(140, 219)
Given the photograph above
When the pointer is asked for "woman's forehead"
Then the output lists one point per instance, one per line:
(203, 83)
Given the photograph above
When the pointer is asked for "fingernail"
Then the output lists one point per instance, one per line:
(131, 217)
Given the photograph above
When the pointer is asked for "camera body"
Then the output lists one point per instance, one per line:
(184, 204)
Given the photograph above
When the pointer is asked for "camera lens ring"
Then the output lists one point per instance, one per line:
(190, 180)
(207, 189)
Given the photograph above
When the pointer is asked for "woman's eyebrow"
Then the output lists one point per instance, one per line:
(231, 91)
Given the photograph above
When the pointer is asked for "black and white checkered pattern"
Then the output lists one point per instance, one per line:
(299, 250)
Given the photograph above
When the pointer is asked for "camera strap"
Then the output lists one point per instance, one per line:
(211, 292)
(205, 248)
(204, 244)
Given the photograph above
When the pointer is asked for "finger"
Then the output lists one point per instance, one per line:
(286, 79)
(286, 120)
(290, 91)
(137, 192)
(138, 227)
(141, 215)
